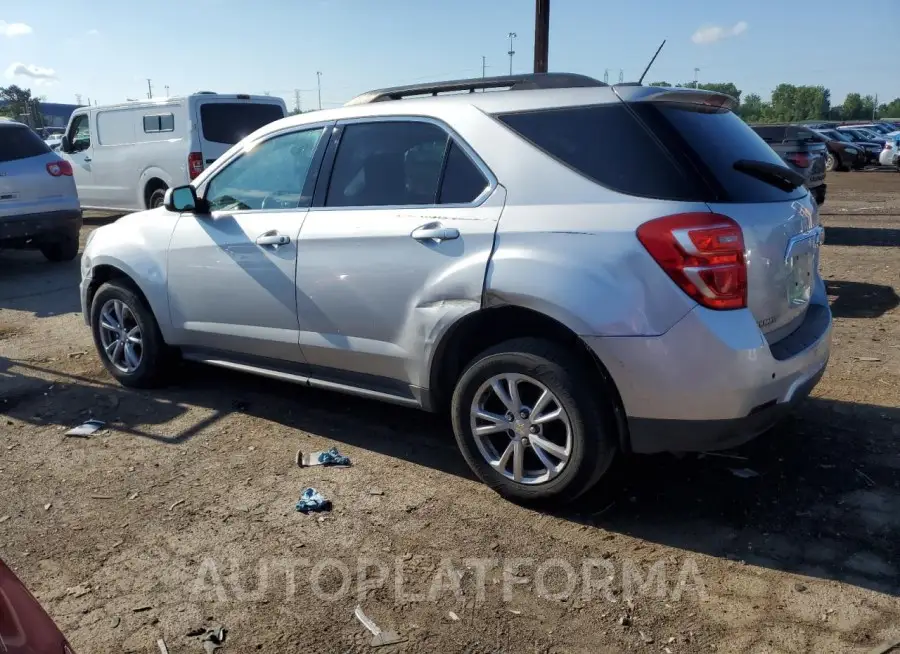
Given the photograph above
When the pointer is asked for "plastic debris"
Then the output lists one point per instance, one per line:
(86, 429)
(744, 473)
(379, 637)
(161, 644)
(453, 616)
(868, 359)
(312, 501)
(174, 504)
(331, 458)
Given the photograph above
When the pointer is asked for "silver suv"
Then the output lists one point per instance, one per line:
(573, 270)
(38, 202)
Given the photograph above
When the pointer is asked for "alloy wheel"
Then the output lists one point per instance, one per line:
(120, 336)
(521, 428)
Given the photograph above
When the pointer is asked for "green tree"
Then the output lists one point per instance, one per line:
(21, 105)
(728, 88)
(852, 107)
(753, 109)
(891, 109)
(659, 84)
(868, 107)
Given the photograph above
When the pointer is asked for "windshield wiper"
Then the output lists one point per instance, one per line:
(778, 176)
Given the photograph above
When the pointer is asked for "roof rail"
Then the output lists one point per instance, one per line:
(509, 82)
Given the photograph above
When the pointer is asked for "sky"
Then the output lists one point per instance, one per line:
(104, 50)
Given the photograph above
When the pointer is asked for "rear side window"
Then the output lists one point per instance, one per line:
(714, 139)
(229, 122)
(607, 144)
(159, 123)
(463, 182)
(20, 143)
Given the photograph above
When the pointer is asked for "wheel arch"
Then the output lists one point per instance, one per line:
(108, 272)
(475, 332)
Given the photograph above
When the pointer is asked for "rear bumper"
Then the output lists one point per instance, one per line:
(37, 228)
(818, 192)
(712, 381)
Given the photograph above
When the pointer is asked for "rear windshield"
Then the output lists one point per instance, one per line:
(20, 143)
(680, 152)
(227, 122)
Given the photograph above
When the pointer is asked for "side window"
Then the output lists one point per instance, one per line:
(462, 182)
(270, 176)
(159, 123)
(387, 163)
(80, 133)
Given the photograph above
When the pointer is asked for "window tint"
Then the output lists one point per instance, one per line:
(462, 182)
(714, 139)
(606, 144)
(159, 123)
(387, 163)
(229, 122)
(270, 176)
(80, 133)
(20, 143)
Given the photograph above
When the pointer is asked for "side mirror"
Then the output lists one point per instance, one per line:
(65, 145)
(183, 199)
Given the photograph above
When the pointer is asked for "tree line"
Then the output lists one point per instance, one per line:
(792, 103)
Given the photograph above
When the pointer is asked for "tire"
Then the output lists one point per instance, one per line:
(63, 249)
(157, 198)
(155, 355)
(592, 443)
(831, 163)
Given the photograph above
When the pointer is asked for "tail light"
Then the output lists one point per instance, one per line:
(703, 253)
(61, 168)
(799, 159)
(195, 164)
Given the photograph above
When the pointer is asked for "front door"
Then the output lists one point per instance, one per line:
(231, 272)
(80, 156)
(397, 244)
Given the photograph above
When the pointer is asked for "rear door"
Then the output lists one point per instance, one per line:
(395, 244)
(25, 184)
(224, 121)
(781, 227)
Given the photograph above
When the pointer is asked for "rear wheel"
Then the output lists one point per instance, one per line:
(63, 249)
(127, 336)
(831, 163)
(532, 422)
(157, 198)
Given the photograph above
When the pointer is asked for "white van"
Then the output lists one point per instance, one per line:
(125, 156)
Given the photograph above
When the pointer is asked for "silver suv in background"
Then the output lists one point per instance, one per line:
(38, 202)
(513, 257)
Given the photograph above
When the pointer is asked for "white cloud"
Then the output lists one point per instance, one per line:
(93, 33)
(37, 73)
(14, 29)
(713, 33)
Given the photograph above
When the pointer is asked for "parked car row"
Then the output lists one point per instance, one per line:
(803, 150)
(877, 140)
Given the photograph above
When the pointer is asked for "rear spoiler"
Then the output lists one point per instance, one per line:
(679, 95)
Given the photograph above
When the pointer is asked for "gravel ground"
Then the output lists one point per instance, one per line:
(180, 514)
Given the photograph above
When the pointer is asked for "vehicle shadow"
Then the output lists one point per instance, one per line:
(862, 236)
(860, 299)
(28, 282)
(817, 496)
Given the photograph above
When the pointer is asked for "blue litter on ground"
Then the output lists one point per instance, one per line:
(312, 501)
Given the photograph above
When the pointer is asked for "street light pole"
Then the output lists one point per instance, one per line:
(541, 35)
(696, 72)
(483, 65)
(319, 78)
(511, 35)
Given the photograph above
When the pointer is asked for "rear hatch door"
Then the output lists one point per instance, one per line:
(24, 180)
(780, 223)
(224, 120)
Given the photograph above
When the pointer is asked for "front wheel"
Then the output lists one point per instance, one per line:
(831, 163)
(127, 336)
(157, 198)
(532, 422)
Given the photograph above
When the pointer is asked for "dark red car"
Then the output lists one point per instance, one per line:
(25, 628)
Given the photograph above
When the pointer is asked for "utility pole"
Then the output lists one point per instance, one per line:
(696, 72)
(541, 35)
(89, 102)
(78, 99)
(606, 76)
(483, 65)
(511, 35)
(167, 90)
(149, 89)
(875, 107)
(297, 100)
(621, 76)
(319, 79)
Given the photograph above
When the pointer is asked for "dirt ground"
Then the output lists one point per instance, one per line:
(180, 514)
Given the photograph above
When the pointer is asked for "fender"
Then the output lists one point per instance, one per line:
(155, 172)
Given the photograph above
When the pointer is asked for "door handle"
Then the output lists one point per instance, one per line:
(273, 238)
(87, 160)
(436, 232)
